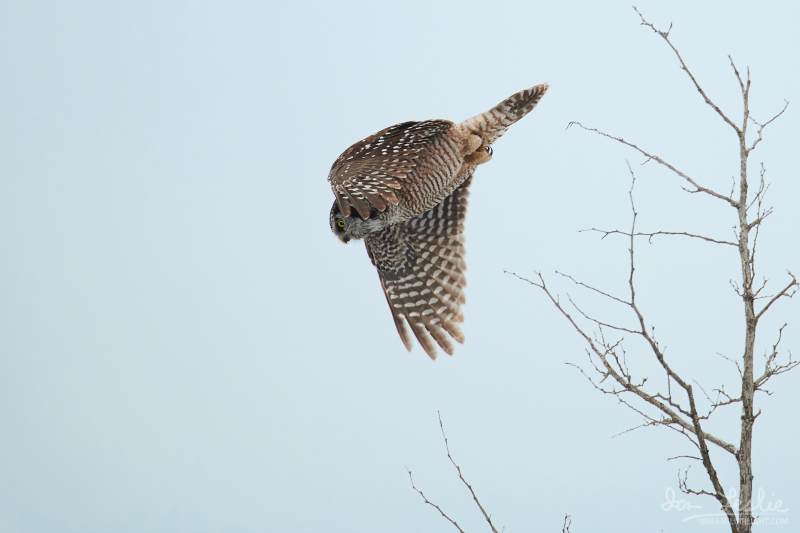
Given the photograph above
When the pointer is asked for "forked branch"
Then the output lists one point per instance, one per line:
(665, 35)
(696, 187)
(434, 505)
(463, 480)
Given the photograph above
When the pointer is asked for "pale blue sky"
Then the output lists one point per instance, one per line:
(184, 346)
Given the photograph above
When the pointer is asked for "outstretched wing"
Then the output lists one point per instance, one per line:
(421, 267)
(369, 173)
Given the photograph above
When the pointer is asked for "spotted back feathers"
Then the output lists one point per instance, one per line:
(409, 183)
(370, 172)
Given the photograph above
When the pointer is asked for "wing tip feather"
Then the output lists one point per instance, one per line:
(424, 339)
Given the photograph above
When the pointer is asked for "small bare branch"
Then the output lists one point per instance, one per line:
(732, 361)
(763, 187)
(733, 187)
(763, 125)
(600, 322)
(761, 217)
(772, 369)
(697, 188)
(593, 289)
(665, 35)
(650, 235)
(435, 506)
(787, 292)
(647, 423)
(735, 286)
(760, 288)
(720, 402)
(461, 477)
(684, 486)
(676, 457)
(703, 390)
(742, 87)
(608, 371)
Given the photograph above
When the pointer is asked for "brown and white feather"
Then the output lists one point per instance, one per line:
(492, 124)
(422, 268)
(373, 172)
(411, 181)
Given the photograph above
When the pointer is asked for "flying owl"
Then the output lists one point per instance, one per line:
(404, 192)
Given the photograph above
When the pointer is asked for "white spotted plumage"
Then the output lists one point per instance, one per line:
(408, 185)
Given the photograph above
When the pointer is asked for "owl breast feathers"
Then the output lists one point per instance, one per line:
(404, 191)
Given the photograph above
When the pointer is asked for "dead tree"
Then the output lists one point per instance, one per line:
(676, 405)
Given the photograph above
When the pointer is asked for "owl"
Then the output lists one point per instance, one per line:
(403, 191)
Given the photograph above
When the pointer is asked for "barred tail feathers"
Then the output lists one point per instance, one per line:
(493, 123)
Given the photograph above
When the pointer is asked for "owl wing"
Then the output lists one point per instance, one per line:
(421, 267)
(492, 124)
(369, 173)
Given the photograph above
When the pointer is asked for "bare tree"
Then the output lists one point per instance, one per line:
(675, 404)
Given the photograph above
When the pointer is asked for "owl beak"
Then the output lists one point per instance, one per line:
(345, 240)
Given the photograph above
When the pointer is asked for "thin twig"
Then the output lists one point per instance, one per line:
(788, 291)
(461, 477)
(665, 35)
(434, 505)
(763, 125)
(650, 235)
(650, 156)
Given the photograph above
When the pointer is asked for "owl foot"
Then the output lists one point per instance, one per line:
(479, 156)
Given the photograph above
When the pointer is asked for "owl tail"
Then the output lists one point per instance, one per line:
(494, 123)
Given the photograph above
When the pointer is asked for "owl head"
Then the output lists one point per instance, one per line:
(353, 227)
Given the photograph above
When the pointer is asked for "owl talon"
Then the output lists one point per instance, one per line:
(480, 156)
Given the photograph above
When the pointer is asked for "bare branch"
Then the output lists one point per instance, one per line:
(684, 486)
(697, 187)
(787, 292)
(719, 491)
(763, 186)
(732, 361)
(599, 322)
(770, 368)
(703, 390)
(667, 422)
(761, 217)
(676, 457)
(744, 88)
(720, 402)
(665, 35)
(567, 524)
(650, 235)
(653, 399)
(435, 506)
(461, 477)
(591, 288)
(763, 125)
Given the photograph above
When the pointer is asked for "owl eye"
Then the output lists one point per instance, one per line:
(340, 223)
